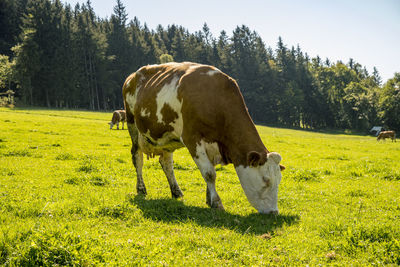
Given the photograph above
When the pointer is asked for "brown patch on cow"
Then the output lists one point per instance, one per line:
(168, 114)
(150, 124)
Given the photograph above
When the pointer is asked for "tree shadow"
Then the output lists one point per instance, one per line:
(326, 130)
(172, 210)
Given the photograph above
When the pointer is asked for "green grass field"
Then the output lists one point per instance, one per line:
(68, 197)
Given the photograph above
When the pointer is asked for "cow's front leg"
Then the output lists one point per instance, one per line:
(117, 125)
(208, 172)
(123, 125)
(167, 165)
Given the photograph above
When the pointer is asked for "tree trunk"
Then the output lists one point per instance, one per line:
(88, 80)
(95, 83)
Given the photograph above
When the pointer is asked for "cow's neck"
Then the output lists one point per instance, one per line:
(241, 138)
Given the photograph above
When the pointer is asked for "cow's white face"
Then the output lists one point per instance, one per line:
(260, 183)
(111, 124)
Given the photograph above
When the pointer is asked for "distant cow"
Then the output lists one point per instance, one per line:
(118, 116)
(173, 105)
(387, 134)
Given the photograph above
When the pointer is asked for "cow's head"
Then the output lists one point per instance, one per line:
(111, 124)
(260, 180)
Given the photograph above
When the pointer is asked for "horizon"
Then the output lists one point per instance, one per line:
(366, 31)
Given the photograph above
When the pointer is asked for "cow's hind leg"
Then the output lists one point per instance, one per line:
(167, 164)
(137, 158)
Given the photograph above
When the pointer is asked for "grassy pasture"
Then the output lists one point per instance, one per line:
(67, 197)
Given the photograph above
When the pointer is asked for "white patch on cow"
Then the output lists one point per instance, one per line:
(127, 84)
(260, 184)
(212, 151)
(144, 112)
(130, 100)
(212, 72)
(169, 95)
(202, 160)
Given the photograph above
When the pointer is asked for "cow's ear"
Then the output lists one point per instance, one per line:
(282, 167)
(253, 158)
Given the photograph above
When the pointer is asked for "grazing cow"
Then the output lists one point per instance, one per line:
(387, 134)
(118, 116)
(173, 105)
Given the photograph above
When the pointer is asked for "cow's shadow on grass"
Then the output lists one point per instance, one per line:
(172, 210)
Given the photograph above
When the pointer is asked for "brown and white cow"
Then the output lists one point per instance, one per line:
(387, 134)
(173, 105)
(117, 117)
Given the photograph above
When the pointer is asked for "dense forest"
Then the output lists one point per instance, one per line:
(55, 55)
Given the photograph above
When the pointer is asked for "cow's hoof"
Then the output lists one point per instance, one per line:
(177, 194)
(217, 205)
(141, 191)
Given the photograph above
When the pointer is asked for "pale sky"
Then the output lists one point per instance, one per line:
(366, 30)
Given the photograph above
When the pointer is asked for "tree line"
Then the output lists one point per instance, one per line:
(55, 55)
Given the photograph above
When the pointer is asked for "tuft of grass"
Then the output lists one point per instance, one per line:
(104, 145)
(357, 193)
(99, 181)
(75, 180)
(356, 173)
(392, 176)
(120, 160)
(96, 180)
(119, 211)
(338, 157)
(65, 156)
(87, 167)
(7, 172)
(301, 175)
(18, 153)
(178, 166)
